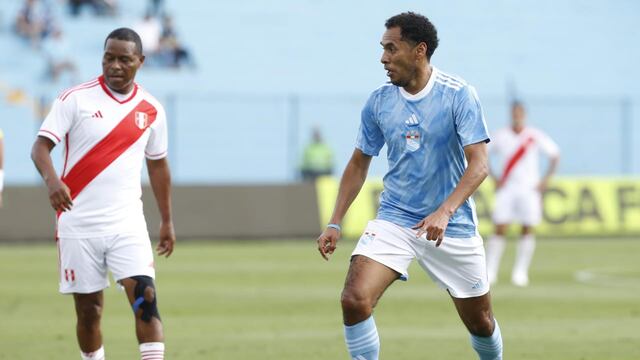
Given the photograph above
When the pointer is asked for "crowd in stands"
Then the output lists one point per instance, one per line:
(38, 26)
(34, 22)
(160, 41)
(99, 7)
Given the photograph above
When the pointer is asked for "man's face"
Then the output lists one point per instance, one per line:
(120, 63)
(518, 117)
(399, 57)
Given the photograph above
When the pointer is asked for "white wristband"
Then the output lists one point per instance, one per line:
(1, 179)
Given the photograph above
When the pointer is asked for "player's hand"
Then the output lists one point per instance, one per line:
(433, 226)
(167, 239)
(327, 242)
(59, 196)
(496, 182)
(542, 185)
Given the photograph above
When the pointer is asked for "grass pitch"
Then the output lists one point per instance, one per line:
(280, 300)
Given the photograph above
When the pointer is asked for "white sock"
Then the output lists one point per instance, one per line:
(524, 253)
(96, 355)
(495, 249)
(152, 351)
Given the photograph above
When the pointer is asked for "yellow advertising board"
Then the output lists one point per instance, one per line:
(594, 207)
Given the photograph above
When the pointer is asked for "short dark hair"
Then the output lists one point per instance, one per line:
(517, 103)
(415, 28)
(125, 34)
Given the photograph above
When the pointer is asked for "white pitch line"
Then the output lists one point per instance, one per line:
(602, 278)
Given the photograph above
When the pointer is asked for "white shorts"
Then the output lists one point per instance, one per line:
(457, 265)
(83, 263)
(517, 205)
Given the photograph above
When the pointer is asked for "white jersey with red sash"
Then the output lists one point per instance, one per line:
(518, 155)
(106, 136)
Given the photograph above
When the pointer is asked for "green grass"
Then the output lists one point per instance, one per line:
(279, 300)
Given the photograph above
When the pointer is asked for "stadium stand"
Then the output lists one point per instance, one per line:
(268, 73)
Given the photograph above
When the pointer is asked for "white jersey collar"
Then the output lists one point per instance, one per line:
(425, 91)
(120, 98)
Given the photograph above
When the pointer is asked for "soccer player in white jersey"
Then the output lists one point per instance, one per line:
(519, 189)
(108, 126)
(434, 129)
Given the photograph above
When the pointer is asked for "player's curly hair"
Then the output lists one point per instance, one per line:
(415, 28)
(125, 34)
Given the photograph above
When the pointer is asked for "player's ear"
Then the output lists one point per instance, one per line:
(141, 57)
(421, 49)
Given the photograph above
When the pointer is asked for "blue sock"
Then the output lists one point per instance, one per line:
(488, 348)
(362, 340)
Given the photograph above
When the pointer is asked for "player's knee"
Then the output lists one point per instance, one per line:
(354, 302)
(89, 315)
(482, 327)
(145, 304)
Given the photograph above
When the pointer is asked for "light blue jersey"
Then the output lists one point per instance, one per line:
(425, 134)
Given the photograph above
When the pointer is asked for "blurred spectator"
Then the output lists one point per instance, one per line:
(171, 52)
(317, 159)
(99, 7)
(59, 57)
(34, 21)
(1, 165)
(156, 7)
(168, 26)
(149, 29)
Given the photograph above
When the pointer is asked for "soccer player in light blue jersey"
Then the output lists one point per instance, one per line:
(436, 136)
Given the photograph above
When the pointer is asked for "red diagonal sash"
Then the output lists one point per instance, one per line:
(517, 156)
(125, 134)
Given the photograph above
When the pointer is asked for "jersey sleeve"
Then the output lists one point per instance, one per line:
(469, 119)
(59, 120)
(495, 147)
(547, 145)
(370, 138)
(158, 144)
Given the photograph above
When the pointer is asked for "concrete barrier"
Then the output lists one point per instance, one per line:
(202, 212)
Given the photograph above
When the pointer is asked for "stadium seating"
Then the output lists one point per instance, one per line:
(267, 74)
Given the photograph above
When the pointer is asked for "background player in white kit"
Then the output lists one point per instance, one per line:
(108, 125)
(432, 125)
(519, 189)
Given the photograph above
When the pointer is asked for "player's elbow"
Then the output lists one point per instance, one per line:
(34, 152)
(41, 147)
(481, 169)
(485, 170)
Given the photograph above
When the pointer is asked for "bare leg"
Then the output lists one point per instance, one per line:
(477, 316)
(501, 229)
(366, 282)
(145, 331)
(89, 312)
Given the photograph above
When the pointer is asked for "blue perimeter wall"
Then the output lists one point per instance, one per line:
(269, 71)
